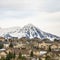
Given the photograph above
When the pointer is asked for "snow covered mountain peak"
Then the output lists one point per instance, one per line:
(29, 26)
(28, 31)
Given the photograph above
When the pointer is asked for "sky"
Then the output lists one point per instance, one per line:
(44, 14)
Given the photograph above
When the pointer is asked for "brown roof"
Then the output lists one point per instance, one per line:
(2, 38)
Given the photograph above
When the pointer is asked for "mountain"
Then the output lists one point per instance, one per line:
(8, 31)
(28, 31)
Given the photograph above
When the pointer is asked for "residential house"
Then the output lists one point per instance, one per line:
(2, 54)
(45, 44)
(36, 52)
(54, 47)
(6, 44)
(2, 39)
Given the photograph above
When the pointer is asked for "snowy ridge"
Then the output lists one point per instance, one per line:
(28, 31)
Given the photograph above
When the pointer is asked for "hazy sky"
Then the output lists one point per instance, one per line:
(44, 14)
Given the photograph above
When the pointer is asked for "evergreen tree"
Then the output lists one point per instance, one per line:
(1, 46)
(47, 58)
(31, 55)
(2, 58)
(9, 56)
(20, 55)
(11, 45)
(23, 58)
(49, 49)
(39, 58)
(14, 55)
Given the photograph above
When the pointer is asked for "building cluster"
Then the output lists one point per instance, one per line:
(31, 49)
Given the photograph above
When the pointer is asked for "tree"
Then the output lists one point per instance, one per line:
(31, 55)
(47, 58)
(9, 56)
(11, 45)
(2, 58)
(1, 46)
(49, 49)
(23, 58)
(56, 40)
(14, 55)
(39, 58)
(20, 55)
